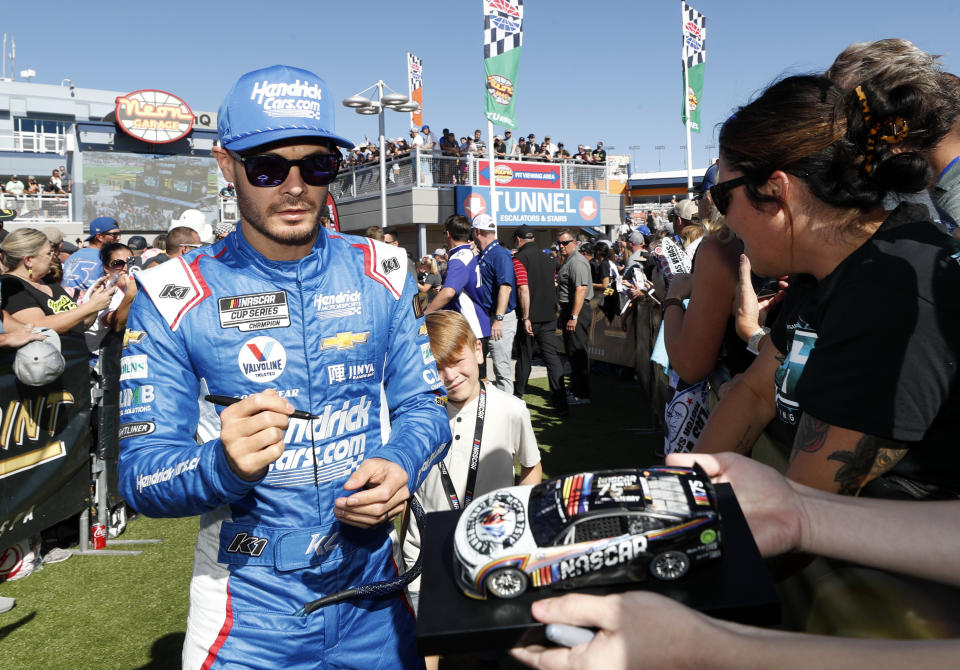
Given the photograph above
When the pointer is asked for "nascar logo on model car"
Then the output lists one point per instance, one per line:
(609, 556)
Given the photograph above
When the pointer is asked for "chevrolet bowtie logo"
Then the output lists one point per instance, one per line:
(132, 337)
(344, 340)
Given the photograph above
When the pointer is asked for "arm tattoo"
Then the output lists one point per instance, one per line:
(811, 435)
(872, 457)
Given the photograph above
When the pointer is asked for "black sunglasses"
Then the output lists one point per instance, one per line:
(721, 192)
(268, 170)
(564, 243)
(120, 263)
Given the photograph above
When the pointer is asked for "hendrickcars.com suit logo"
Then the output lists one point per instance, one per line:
(154, 116)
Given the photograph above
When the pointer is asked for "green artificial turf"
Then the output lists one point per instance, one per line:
(105, 611)
(129, 612)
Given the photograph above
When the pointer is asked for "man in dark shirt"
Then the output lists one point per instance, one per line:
(574, 292)
(541, 321)
(599, 154)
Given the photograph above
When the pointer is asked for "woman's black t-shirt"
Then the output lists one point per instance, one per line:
(874, 347)
(19, 295)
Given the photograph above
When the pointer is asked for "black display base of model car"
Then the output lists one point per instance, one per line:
(736, 587)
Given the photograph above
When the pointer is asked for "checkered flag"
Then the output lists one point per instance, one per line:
(694, 36)
(502, 26)
(414, 72)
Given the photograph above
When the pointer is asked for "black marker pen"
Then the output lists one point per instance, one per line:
(226, 400)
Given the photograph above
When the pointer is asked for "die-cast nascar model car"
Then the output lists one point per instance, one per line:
(589, 528)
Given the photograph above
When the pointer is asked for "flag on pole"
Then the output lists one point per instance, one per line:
(502, 42)
(415, 85)
(694, 57)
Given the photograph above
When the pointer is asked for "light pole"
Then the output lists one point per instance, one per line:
(659, 149)
(710, 148)
(363, 105)
(633, 149)
(683, 152)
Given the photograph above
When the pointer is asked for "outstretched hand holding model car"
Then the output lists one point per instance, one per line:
(640, 628)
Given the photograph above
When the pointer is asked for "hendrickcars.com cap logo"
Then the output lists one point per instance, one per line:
(154, 116)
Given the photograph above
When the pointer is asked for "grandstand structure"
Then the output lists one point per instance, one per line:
(146, 178)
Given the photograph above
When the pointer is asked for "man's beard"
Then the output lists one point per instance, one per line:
(293, 236)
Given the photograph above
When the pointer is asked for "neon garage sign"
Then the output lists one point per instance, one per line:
(154, 116)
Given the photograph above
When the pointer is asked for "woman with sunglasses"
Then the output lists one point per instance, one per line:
(863, 357)
(117, 259)
(28, 254)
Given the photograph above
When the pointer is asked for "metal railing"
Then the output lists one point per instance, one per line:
(39, 208)
(430, 170)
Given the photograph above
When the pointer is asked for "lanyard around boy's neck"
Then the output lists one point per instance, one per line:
(448, 486)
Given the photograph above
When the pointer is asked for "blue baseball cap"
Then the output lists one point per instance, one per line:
(709, 178)
(102, 224)
(276, 103)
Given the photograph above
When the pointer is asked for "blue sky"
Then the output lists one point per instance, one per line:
(603, 70)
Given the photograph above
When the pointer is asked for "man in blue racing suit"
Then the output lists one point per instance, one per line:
(285, 315)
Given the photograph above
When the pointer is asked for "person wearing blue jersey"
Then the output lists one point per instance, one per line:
(462, 290)
(498, 297)
(84, 267)
(282, 314)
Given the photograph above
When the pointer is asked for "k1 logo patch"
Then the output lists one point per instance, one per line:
(262, 359)
(175, 292)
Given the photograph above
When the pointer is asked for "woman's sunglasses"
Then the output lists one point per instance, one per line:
(268, 170)
(119, 263)
(720, 193)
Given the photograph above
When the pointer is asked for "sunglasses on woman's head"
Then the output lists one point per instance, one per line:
(720, 193)
(268, 170)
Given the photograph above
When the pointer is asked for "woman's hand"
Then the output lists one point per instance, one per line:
(128, 285)
(19, 335)
(98, 297)
(772, 504)
(637, 629)
(752, 311)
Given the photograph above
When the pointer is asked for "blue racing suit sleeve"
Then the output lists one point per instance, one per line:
(420, 428)
(163, 472)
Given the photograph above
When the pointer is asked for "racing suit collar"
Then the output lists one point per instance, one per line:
(299, 268)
